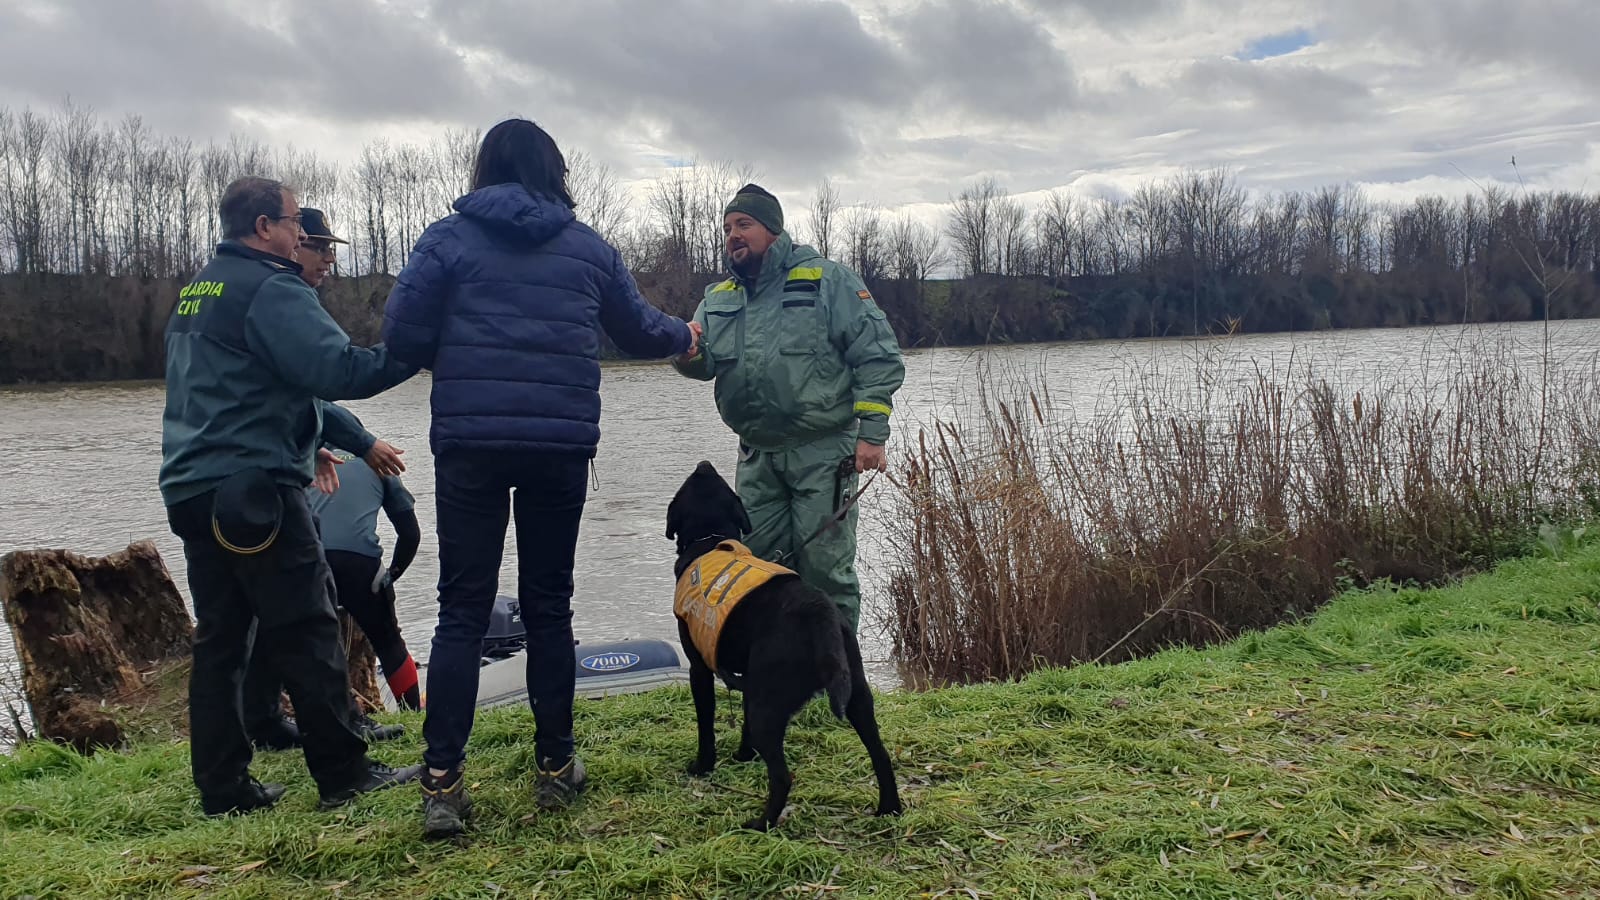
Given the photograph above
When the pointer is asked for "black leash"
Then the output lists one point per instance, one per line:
(844, 470)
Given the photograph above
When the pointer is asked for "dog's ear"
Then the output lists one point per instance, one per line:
(674, 517)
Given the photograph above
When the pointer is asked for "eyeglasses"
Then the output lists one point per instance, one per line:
(295, 217)
(321, 248)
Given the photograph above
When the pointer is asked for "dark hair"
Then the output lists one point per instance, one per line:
(246, 200)
(517, 151)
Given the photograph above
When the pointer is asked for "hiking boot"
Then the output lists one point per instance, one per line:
(445, 804)
(372, 731)
(250, 795)
(282, 734)
(377, 777)
(556, 786)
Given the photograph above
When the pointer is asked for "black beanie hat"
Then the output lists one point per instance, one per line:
(754, 201)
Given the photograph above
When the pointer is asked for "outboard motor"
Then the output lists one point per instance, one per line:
(506, 635)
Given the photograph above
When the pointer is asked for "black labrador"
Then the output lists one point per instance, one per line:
(782, 644)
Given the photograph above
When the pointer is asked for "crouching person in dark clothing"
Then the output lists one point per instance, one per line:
(365, 589)
(505, 301)
(248, 350)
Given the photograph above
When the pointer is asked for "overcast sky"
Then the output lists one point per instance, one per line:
(901, 102)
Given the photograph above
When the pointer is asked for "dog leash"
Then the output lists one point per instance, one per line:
(846, 466)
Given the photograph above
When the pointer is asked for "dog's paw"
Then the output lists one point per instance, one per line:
(701, 767)
(744, 754)
(893, 809)
(759, 823)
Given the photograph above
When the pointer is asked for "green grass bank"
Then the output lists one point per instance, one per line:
(1404, 743)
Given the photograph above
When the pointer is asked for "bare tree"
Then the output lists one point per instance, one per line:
(1054, 226)
(866, 243)
(1011, 251)
(672, 209)
(914, 248)
(26, 141)
(971, 225)
(824, 210)
(373, 179)
(1111, 230)
(602, 203)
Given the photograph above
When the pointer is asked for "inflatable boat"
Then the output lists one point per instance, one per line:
(603, 668)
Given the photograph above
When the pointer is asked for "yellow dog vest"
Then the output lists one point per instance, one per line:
(710, 589)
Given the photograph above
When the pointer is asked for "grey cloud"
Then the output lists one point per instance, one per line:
(897, 106)
(1555, 35)
(785, 84)
(1110, 14)
(1305, 93)
(171, 60)
(987, 57)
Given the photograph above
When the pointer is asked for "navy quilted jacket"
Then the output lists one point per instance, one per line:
(504, 301)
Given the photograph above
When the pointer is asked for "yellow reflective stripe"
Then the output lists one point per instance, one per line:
(806, 274)
(729, 285)
(865, 407)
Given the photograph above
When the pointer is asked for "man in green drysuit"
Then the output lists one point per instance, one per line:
(806, 367)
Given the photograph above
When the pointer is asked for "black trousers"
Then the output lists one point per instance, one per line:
(374, 613)
(283, 591)
(476, 492)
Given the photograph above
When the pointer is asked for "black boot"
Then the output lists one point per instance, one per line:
(282, 734)
(247, 796)
(372, 731)
(377, 777)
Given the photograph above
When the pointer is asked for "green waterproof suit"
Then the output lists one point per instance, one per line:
(805, 364)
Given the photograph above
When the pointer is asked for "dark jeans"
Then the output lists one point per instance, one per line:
(284, 591)
(474, 490)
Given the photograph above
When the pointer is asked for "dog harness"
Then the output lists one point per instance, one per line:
(713, 586)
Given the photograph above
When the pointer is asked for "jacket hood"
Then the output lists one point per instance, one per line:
(510, 208)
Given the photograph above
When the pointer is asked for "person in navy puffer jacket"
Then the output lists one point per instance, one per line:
(504, 302)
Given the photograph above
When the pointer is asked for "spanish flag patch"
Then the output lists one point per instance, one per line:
(865, 295)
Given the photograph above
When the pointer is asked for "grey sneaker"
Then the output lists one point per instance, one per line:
(446, 805)
(557, 787)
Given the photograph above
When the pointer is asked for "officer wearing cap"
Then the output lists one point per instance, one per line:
(806, 367)
(249, 350)
(264, 721)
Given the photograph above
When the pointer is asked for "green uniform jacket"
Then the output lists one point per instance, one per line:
(249, 351)
(802, 353)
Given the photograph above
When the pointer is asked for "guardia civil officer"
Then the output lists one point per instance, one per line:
(806, 367)
(249, 350)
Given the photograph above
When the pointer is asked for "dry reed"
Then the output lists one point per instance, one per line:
(1184, 515)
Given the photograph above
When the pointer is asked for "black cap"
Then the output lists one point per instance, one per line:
(246, 511)
(315, 224)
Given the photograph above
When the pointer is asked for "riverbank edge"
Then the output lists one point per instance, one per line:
(608, 361)
(1401, 743)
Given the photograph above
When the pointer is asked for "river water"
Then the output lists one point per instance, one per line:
(80, 462)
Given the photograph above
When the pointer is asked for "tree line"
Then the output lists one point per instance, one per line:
(80, 195)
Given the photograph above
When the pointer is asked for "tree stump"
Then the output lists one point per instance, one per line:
(85, 630)
(362, 663)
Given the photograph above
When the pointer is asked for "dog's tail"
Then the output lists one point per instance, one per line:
(838, 672)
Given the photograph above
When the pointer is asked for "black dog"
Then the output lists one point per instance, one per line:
(781, 643)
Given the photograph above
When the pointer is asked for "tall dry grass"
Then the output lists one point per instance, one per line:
(1190, 510)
